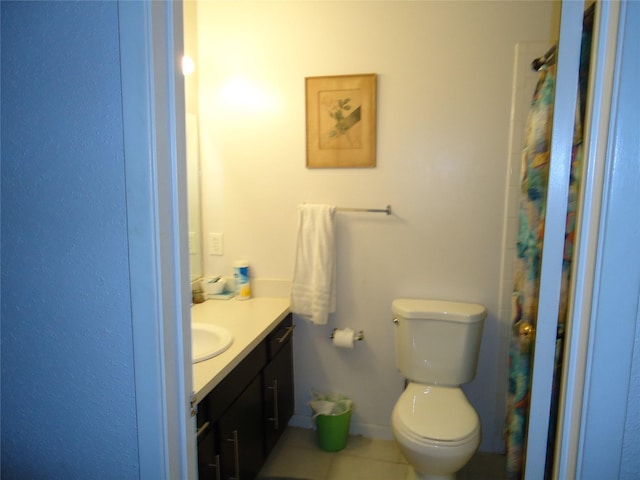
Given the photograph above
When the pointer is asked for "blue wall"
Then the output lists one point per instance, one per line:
(68, 399)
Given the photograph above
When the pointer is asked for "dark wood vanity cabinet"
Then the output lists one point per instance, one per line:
(240, 436)
(278, 383)
(208, 455)
(247, 411)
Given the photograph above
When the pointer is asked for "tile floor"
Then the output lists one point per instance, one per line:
(297, 456)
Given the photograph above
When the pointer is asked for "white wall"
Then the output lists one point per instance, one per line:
(445, 74)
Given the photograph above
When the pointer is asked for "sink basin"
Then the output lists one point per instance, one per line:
(207, 341)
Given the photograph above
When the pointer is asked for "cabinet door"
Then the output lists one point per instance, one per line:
(278, 395)
(240, 435)
(208, 458)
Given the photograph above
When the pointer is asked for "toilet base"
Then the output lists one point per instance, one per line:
(413, 475)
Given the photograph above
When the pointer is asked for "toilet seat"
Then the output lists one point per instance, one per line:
(436, 415)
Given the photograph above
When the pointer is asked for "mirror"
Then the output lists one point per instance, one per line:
(193, 197)
(193, 150)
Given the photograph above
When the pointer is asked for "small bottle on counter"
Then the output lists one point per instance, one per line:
(241, 277)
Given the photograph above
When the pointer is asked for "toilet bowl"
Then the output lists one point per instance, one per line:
(437, 345)
(436, 428)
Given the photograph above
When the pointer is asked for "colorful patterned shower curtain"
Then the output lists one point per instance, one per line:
(533, 194)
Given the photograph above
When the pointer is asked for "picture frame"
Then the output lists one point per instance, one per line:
(341, 121)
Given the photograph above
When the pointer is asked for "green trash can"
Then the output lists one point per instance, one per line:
(332, 413)
(333, 431)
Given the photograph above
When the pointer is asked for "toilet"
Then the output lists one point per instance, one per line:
(437, 345)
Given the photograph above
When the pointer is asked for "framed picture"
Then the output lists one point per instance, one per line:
(341, 121)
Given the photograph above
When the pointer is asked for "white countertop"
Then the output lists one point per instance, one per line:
(249, 321)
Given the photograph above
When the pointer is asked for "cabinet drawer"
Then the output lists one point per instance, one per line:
(280, 335)
(221, 397)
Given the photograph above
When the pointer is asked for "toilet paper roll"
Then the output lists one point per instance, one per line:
(345, 338)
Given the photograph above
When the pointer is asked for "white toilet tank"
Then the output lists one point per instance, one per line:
(437, 342)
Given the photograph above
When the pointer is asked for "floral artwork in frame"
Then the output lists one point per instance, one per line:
(341, 121)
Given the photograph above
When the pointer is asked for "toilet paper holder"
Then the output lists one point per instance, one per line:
(358, 335)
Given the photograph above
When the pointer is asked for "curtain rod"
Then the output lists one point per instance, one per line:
(549, 58)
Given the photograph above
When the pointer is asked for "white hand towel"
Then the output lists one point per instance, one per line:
(313, 290)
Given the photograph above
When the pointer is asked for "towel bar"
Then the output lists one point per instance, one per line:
(371, 210)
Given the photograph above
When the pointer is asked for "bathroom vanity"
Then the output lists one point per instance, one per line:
(245, 395)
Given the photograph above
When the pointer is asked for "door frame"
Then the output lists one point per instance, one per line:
(151, 41)
(566, 90)
(603, 305)
(597, 446)
(153, 103)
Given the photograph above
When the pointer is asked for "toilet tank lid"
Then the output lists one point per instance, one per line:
(438, 310)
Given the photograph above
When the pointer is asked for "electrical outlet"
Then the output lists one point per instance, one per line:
(215, 244)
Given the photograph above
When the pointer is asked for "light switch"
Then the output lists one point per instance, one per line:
(215, 244)
(193, 245)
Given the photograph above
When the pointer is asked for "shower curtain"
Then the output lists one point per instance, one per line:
(533, 193)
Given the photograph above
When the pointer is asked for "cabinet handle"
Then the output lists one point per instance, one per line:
(216, 466)
(286, 334)
(236, 455)
(202, 431)
(274, 419)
